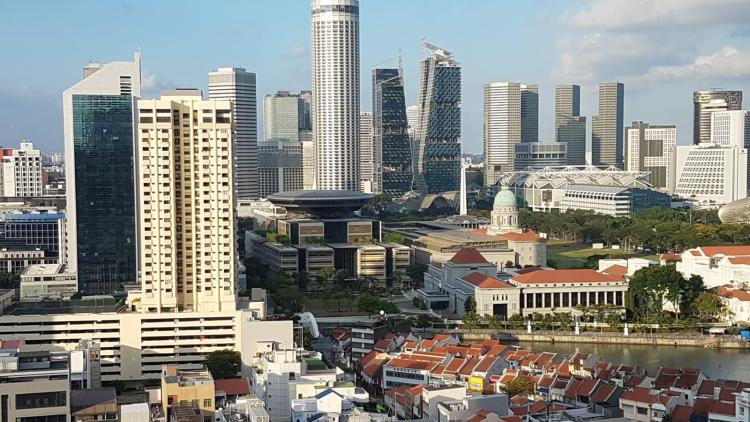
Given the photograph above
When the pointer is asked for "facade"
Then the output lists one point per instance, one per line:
(607, 126)
(14, 261)
(335, 93)
(540, 155)
(545, 189)
(617, 201)
(737, 302)
(47, 281)
(286, 115)
(186, 203)
(99, 115)
(391, 136)
(710, 175)
(529, 113)
(731, 128)
(705, 103)
(502, 128)
(27, 231)
(308, 164)
(717, 265)
(134, 346)
(570, 126)
(286, 374)
(438, 151)
(652, 148)
(368, 164)
(280, 166)
(238, 85)
(182, 386)
(21, 174)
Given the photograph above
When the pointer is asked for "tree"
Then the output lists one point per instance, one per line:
(510, 264)
(519, 386)
(325, 274)
(223, 363)
(707, 306)
(470, 320)
(470, 305)
(373, 305)
(415, 272)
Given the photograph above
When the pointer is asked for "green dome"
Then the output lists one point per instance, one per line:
(505, 198)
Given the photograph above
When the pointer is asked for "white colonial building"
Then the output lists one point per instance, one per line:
(718, 265)
(737, 302)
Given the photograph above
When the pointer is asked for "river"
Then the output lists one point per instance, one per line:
(727, 363)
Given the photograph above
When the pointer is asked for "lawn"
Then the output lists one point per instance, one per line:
(574, 255)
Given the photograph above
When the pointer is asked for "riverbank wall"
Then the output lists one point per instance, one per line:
(710, 342)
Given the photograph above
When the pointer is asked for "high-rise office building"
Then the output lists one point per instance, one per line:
(438, 151)
(537, 154)
(392, 147)
(502, 128)
(21, 171)
(286, 115)
(99, 124)
(570, 126)
(308, 164)
(731, 128)
(335, 93)
(706, 103)
(367, 160)
(186, 203)
(607, 126)
(529, 113)
(238, 85)
(280, 168)
(651, 148)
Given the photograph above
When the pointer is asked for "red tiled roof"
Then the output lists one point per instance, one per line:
(668, 257)
(233, 387)
(528, 270)
(11, 344)
(454, 365)
(487, 362)
(572, 390)
(682, 413)
(634, 381)
(707, 388)
(438, 265)
(616, 270)
(468, 256)
(409, 345)
(587, 387)
(742, 260)
(603, 393)
(485, 282)
(427, 345)
(723, 408)
(701, 406)
(411, 364)
(382, 345)
(468, 368)
(565, 276)
(728, 250)
(442, 337)
(639, 395)
(512, 418)
(732, 293)
(524, 236)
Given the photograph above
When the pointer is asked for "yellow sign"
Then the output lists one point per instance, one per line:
(476, 384)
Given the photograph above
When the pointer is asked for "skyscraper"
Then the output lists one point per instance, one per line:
(570, 127)
(707, 102)
(238, 85)
(502, 128)
(392, 148)
(439, 126)
(529, 113)
(280, 166)
(607, 126)
(651, 148)
(367, 161)
(335, 93)
(286, 115)
(186, 203)
(732, 128)
(99, 116)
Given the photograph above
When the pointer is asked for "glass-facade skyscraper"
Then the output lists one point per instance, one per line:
(438, 161)
(570, 126)
(99, 121)
(607, 127)
(391, 146)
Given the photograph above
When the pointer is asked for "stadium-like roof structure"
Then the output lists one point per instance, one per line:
(560, 177)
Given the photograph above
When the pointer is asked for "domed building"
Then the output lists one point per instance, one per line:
(504, 216)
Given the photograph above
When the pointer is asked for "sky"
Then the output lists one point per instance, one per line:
(662, 50)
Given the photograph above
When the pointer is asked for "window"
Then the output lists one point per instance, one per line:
(642, 411)
(207, 403)
(39, 400)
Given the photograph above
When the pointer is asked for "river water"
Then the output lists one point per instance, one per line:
(728, 363)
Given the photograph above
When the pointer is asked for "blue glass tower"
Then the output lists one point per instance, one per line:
(393, 175)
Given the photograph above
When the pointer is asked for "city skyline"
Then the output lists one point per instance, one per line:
(648, 52)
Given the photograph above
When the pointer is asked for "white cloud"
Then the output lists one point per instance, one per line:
(660, 15)
(728, 63)
(152, 84)
(607, 55)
